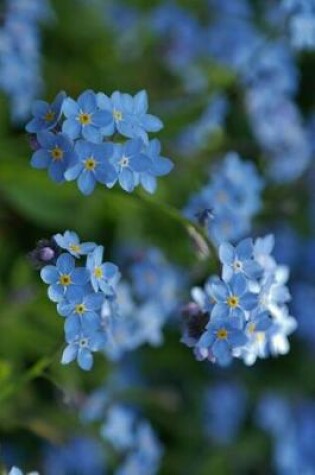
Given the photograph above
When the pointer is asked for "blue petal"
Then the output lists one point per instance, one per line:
(64, 308)
(219, 291)
(152, 123)
(221, 351)
(238, 284)
(85, 359)
(70, 107)
(71, 128)
(73, 172)
(56, 171)
(252, 269)
(49, 274)
(126, 180)
(206, 340)
(162, 166)
(69, 354)
(94, 301)
(249, 301)
(237, 338)
(80, 276)
(86, 182)
(139, 163)
(65, 263)
(140, 102)
(87, 101)
(92, 134)
(102, 118)
(244, 249)
(226, 253)
(56, 293)
(40, 159)
(148, 182)
(219, 311)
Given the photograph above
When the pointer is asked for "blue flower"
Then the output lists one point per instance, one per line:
(129, 115)
(46, 115)
(129, 160)
(81, 343)
(119, 427)
(71, 242)
(104, 276)
(63, 277)
(17, 471)
(232, 299)
(239, 259)
(81, 310)
(91, 165)
(218, 341)
(55, 154)
(83, 118)
(159, 166)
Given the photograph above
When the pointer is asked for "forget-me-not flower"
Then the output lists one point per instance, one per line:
(55, 153)
(104, 276)
(71, 242)
(239, 259)
(46, 115)
(159, 166)
(64, 277)
(83, 118)
(81, 343)
(91, 165)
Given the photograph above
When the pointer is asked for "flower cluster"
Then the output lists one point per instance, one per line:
(20, 69)
(79, 292)
(17, 471)
(98, 139)
(133, 438)
(145, 301)
(232, 195)
(244, 314)
(291, 426)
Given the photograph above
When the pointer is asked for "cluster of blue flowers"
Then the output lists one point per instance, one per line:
(130, 436)
(20, 68)
(224, 411)
(80, 292)
(262, 60)
(145, 301)
(17, 471)
(98, 139)
(232, 196)
(244, 314)
(292, 428)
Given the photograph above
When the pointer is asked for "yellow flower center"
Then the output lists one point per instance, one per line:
(222, 334)
(84, 118)
(49, 116)
(74, 247)
(65, 280)
(90, 164)
(233, 301)
(80, 308)
(56, 153)
(117, 115)
(98, 272)
(260, 337)
(251, 328)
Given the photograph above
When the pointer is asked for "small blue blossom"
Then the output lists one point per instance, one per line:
(129, 115)
(63, 277)
(81, 343)
(91, 165)
(104, 276)
(70, 242)
(129, 160)
(219, 340)
(81, 309)
(160, 166)
(46, 116)
(232, 299)
(83, 118)
(55, 153)
(118, 428)
(239, 259)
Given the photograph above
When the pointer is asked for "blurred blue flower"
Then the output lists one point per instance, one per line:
(223, 411)
(119, 427)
